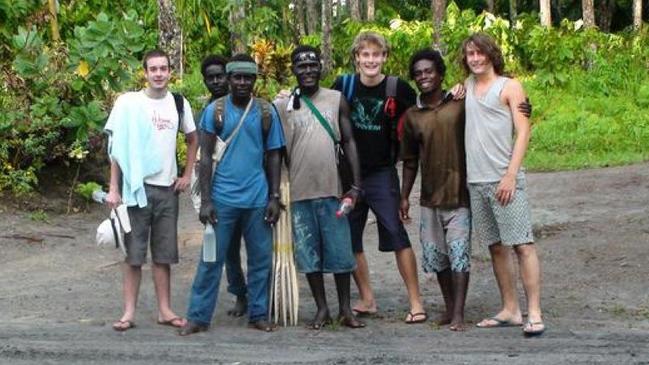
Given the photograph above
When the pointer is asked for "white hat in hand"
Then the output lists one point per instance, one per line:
(111, 231)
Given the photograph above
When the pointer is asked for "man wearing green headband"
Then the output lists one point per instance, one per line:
(238, 192)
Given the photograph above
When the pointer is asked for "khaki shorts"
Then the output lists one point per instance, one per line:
(510, 225)
(156, 223)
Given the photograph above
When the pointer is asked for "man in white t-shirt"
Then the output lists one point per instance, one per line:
(143, 127)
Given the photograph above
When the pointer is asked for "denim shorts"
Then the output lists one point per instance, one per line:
(156, 223)
(322, 242)
(445, 239)
(380, 194)
(510, 225)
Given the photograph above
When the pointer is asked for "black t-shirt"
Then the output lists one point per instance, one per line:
(374, 131)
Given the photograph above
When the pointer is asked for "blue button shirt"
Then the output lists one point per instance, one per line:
(240, 180)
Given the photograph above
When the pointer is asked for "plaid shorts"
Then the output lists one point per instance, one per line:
(510, 225)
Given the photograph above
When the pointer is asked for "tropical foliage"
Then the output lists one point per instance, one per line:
(589, 88)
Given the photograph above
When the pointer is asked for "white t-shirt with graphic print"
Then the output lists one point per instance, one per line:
(163, 115)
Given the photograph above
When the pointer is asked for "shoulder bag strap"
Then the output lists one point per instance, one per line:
(320, 118)
(243, 117)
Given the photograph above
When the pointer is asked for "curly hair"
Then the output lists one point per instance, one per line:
(213, 60)
(487, 45)
(431, 55)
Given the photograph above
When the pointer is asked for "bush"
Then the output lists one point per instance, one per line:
(589, 89)
(60, 95)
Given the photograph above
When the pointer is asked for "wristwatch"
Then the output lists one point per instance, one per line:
(275, 196)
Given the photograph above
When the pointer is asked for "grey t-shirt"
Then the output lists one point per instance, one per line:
(489, 134)
(312, 160)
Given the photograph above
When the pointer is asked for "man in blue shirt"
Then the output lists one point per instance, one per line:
(216, 81)
(238, 192)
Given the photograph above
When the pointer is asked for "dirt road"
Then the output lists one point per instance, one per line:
(59, 293)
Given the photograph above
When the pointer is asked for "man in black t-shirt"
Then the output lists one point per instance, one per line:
(375, 111)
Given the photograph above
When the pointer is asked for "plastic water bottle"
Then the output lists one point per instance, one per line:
(344, 208)
(99, 196)
(209, 244)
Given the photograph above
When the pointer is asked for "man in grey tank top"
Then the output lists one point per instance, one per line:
(496, 139)
(316, 122)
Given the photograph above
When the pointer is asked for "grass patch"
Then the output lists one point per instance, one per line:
(39, 216)
(576, 127)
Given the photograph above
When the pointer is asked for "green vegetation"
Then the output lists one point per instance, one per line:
(590, 89)
(39, 216)
(85, 190)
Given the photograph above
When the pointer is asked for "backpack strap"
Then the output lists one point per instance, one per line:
(349, 82)
(391, 87)
(266, 117)
(179, 100)
(219, 107)
(390, 109)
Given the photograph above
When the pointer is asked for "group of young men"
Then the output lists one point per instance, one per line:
(470, 152)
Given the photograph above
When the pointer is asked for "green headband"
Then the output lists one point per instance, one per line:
(242, 67)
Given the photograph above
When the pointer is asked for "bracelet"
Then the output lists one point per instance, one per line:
(354, 187)
(274, 196)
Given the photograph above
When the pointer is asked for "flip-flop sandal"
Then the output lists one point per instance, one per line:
(499, 323)
(121, 327)
(363, 313)
(533, 333)
(170, 322)
(412, 317)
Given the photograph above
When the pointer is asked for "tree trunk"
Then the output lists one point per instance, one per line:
(299, 18)
(545, 12)
(557, 5)
(311, 16)
(491, 5)
(354, 9)
(588, 13)
(513, 12)
(637, 15)
(237, 17)
(439, 10)
(606, 10)
(327, 61)
(170, 34)
(370, 10)
(54, 24)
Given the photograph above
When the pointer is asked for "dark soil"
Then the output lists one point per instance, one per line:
(59, 293)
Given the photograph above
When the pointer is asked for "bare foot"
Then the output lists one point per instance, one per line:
(443, 320)
(457, 325)
(349, 320)
(240, 307)
(321, 319)
(362, 308)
